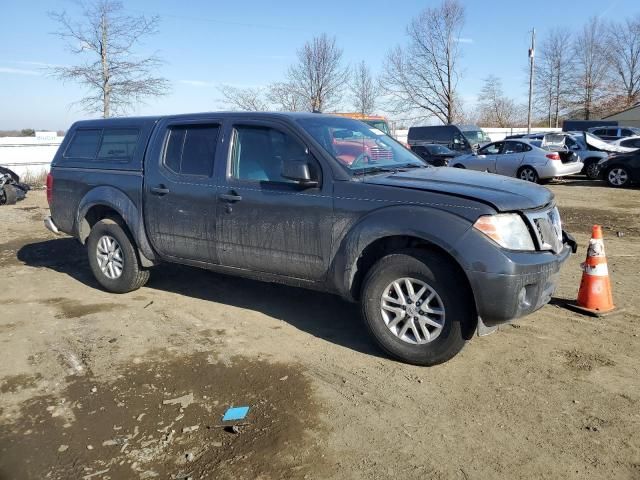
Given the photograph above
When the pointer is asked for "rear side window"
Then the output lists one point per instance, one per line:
(634, 142)
(118, 143)
(108, 144)
(190, 150)
(84, 144)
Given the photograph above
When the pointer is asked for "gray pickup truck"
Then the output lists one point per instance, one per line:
(433, 255)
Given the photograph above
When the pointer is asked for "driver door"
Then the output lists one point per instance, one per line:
(485, 159)
(265, 222)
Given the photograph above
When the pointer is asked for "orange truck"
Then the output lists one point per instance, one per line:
(376, 121)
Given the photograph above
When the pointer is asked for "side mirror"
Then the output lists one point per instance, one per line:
(298, 171)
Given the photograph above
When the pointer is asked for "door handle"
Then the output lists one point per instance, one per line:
(159, 190)
(230, 197)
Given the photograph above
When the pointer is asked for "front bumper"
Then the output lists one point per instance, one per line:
(525, 283)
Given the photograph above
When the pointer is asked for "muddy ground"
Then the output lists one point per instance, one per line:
(89, 380)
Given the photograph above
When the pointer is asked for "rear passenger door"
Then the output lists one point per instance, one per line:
(267, 223)
(180, 191)
(511, 158)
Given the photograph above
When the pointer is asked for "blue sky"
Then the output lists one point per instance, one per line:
(252, 42)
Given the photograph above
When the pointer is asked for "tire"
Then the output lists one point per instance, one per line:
(528, 174)
(437, 274)
(618, 176)
(591, 170)
(457, 165)
(120, 272)
(10, 195)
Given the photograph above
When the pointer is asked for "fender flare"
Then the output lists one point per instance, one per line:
(117, 200)
(435, 226)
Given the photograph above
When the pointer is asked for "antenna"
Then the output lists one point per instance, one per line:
(532, 56)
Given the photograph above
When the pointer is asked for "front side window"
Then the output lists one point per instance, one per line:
(357, 146)
(258, 153)
(491, 149)
(191, 149)
(84, 144)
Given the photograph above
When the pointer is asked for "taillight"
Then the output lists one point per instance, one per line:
(553, 156)
(49, 188)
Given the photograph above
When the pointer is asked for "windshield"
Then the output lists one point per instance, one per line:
(476, 136)
(358, 146)
(379, 124)
(437, 149)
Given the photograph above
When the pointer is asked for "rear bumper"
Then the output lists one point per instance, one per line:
(48, 222)
(501, 297)
(555, 168)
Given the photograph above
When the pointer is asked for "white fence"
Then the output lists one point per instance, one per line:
(496, 134)
(30, 156)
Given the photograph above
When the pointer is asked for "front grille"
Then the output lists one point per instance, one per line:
(381, 153)
(547, 228)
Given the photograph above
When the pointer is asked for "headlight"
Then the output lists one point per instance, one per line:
(506, 229)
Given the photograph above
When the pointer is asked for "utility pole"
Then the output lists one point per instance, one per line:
(532, 56)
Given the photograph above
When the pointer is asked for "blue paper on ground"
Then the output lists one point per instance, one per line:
(235, 413)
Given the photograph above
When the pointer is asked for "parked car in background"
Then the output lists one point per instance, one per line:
(621, 170)
(576, 143)
(459, 138)
(376, 121)
(436, 155)
(629, 142)
(527, 136)
(614, 133)
(584, 125)
(521, 159)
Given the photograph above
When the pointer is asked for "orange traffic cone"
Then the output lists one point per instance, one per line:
(594, 296)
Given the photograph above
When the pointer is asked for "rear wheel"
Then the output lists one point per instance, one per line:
(113, 257)
(618, 177)
(414, 307)
(528, 174)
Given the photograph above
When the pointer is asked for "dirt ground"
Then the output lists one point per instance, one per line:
(101, 386)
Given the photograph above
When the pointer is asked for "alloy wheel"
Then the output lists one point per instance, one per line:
(110, 257)
(618, 176)
(412, 311)
(529, 175)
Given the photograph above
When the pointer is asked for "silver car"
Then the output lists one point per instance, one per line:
(520, 159)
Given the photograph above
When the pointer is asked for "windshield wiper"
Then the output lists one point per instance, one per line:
(388, 168)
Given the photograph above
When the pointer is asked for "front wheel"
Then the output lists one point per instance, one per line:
(618, 177)
(592, 171)
(113, 258)
(415, 308)
(528, 174)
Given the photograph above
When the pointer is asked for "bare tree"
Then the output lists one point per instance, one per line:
(247, 99)
(285, 97)
(116, 78)
(423, 77)
(591, 65)
(624, 53)
(319, 75)
(364, 90)
(496, 109)
(553, 75)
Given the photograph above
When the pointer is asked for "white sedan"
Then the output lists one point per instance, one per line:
(520, 159)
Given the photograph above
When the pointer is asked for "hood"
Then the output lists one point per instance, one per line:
(595, 142)
(502, 193)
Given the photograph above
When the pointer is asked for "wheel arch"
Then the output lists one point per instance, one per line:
(106, 201)
(384, 232)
